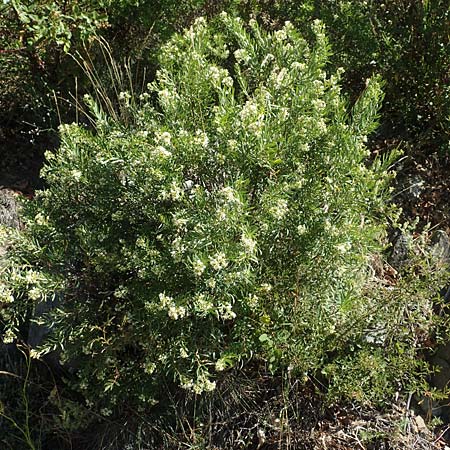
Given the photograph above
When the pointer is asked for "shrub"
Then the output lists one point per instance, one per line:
(232, 220)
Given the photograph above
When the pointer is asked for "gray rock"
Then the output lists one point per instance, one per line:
(441, 247)
(9, 215)
(400, 250)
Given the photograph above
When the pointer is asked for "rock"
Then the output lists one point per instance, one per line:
(9, 215)
(400, 250)
(441, 247)
(421, 426)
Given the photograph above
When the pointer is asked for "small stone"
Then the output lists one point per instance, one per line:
(421, 426)
(441, 247)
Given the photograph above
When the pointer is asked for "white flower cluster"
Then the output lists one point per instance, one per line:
(248, 243)
(164, 138)
(201, 138)
(242, 56)
(218, 75)
(40, 219)
(267, 60)
(6, 295)
(280, 78)
(220, 365)
(174, 193)
(203, 305)
(301, 229)
(8, 337)
(249, 111)
(161, 152)
(202, 384)
(125, 97)
(343, 247)
(298, 66)
(252, 117)
(225, 311)
(178, 249)
(167, 97)
(199, 267)
(228, 82)
(218, 261)
(174, 311)
(280, 209)
(230, 195)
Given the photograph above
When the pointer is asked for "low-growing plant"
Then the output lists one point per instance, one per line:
(232, 220)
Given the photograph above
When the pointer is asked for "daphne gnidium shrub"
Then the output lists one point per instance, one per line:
(232, 221)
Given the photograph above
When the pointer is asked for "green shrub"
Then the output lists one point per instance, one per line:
(232, 220)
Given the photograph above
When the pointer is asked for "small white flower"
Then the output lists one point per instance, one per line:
(162, 152)
(280, 35)
(186, 383)
(242, 55)
(220, 365)
(8, 337)
(321, 126)
(40, 219)
(215, 74)
(124, 96)
(253, 301)
(230, 195)
(201, 138)
(105, 412)
(180, 222)
(279, 80)
(301, 229)
(298, 66)
(218, 261)
(209, 386)
(34, 293)
(221, 214)
(178, 249)
(319, 104)
(165, 137)
(165, 300)
(226, 312)
(280, 209)
(200, 21)
(31, 277)
(248, 243)
(199, 267)
(228, 82)
(249, 111)
(176, 312)
(202, 304)
(175, 192)
(149, 367)
(344, 247)
(76, 174)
